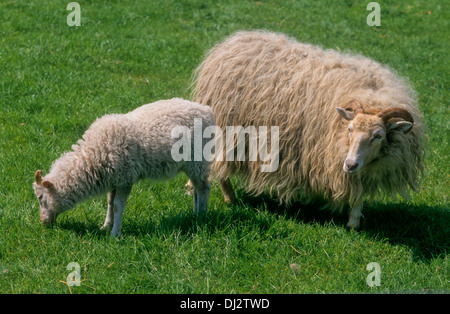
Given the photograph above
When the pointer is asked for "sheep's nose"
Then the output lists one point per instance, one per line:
(46, 222)
(351, 165)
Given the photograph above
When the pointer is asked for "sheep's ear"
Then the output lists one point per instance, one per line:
(48, 185)
(400, 126)
(350, 110)
(345, 113)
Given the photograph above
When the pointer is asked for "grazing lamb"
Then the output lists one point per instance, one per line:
(348, 127)
(118, 150)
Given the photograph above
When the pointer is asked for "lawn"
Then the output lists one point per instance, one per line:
(55, 80)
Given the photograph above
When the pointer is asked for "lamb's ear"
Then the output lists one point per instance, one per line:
(38, 177)
(48, 185)
(401, 126)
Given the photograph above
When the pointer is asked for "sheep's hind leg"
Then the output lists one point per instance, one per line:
(120, 201)
(189, 188)
(227, 190)
(110, 213)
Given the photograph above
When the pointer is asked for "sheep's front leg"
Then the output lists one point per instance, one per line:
(201, 196)
(355, 217)
(110, 213)
(120, 201)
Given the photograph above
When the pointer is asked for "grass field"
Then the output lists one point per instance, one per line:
(55, 80)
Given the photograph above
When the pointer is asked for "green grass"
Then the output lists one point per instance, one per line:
(55, 80)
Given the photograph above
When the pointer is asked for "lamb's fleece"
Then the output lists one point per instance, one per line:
(119, 149)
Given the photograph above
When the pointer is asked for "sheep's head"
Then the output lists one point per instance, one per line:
(367, 132)
(48, 199)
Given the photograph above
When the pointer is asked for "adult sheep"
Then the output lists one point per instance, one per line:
(118, 150)
(348, 127)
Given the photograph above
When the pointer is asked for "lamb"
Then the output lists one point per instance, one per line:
(348, 126)
(118, 150)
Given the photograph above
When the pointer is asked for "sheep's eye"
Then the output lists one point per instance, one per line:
(350, 129)
(40, 196)
(377, 136)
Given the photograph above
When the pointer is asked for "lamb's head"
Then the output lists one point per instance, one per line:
(367, 132)
(49, 201)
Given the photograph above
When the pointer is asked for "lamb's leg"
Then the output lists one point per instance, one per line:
(120, 201)
(110, 213)
(355, 217)
(201, 195)
(227, 190)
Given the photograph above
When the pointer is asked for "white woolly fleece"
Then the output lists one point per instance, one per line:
(119, 149)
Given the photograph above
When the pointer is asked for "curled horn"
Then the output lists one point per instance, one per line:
(396, 112)
(38, 177)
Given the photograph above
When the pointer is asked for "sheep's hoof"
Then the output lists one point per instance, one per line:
(189, 189)
(227, 200)
(353, 224)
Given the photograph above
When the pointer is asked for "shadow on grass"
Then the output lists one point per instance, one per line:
(426, 230)
(83, 228)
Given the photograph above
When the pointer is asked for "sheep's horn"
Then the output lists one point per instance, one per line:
(38, 177)
(354, 106)
(395, 112)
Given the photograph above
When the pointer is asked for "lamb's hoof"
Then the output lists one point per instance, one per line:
(116, 235)
(200, 216)
(105, 227)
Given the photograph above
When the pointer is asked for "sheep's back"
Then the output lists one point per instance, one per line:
(268, 79)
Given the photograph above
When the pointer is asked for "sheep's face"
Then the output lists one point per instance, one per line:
(367, 132)
(48, 199)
